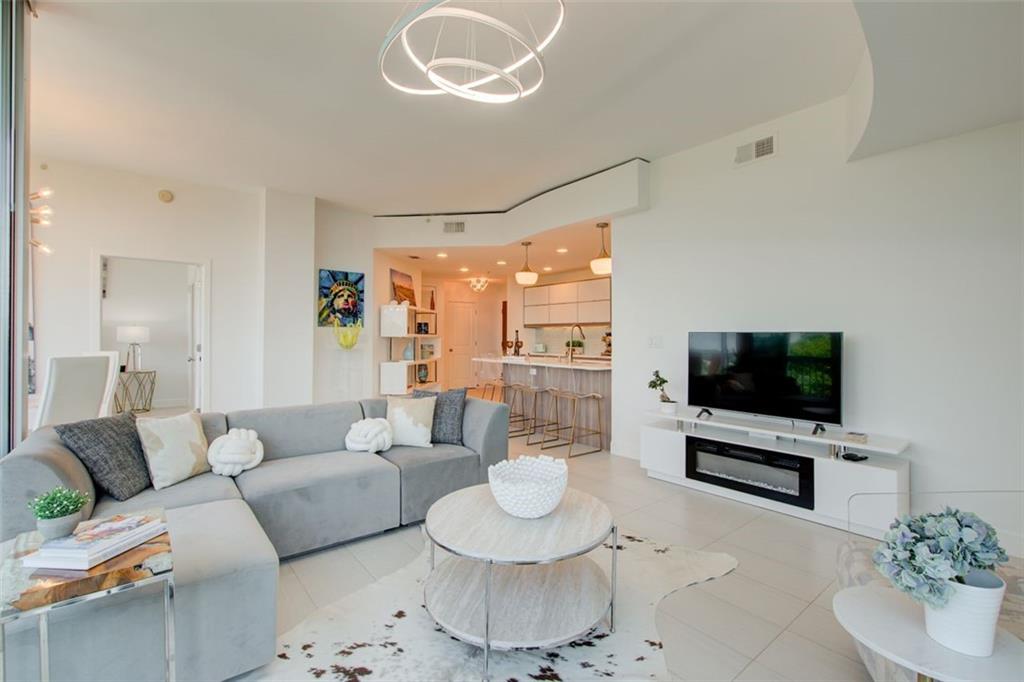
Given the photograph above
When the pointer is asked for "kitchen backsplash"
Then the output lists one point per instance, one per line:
(555, 338)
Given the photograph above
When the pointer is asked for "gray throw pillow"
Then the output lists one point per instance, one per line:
(447, 427)
(110, 449)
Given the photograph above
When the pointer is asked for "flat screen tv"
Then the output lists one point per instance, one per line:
(795, 375)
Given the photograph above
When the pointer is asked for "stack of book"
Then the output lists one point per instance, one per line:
(96, 541)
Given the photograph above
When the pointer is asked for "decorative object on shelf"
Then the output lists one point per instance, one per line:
(58, 511)
(342, 296)
(526, 277)
(422, 327)
(134, 336)
(944, 561)
(606, 339)
(507, 345)
(236, 451)
(409, 352)
(658, 383)
(430, 294)
(369, 435)
(348, 335)
(517, 345)
(422, 374)
(528, 487)
(459, 50)
(602, 265)
(402, 288)
(478, 284)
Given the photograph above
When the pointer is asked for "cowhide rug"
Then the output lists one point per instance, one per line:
(383, 632)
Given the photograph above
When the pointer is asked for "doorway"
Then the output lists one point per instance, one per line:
(460, 339)
(153, 313)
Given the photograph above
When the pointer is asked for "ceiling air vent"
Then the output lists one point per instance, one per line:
(454, 226)
(754, 151)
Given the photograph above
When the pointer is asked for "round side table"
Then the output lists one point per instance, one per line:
(892, 625)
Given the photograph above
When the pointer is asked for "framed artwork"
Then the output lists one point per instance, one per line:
(402, 288)
(342, 297)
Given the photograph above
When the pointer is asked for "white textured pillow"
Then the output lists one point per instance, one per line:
(175, 448)
(411, 420)
(369, 435)
(236, 451)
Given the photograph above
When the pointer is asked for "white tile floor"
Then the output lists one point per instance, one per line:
(770, 619)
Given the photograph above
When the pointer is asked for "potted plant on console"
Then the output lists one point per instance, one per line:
(658, 383)
(58, 511)
(944, 561)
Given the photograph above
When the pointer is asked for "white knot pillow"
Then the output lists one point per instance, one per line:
(234, 452)
(369, 435)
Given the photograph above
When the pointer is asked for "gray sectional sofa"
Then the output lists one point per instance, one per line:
(227, 534)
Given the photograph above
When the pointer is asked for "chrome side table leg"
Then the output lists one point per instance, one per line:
(615, 570)
(44, 648)
(432, 554)
(169, 672)
(487, 622)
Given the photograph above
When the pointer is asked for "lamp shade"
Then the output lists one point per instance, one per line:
(133, 334)
(601, 266)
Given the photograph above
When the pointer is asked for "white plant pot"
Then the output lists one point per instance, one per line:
(967, 623)
(58, 527)
(669, 408)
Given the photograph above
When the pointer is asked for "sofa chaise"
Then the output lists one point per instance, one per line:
(228, 534)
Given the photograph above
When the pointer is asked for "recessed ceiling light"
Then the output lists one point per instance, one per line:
(501, 262)
(562, 249)
(547, 268)
(442, 255)
(463, 269)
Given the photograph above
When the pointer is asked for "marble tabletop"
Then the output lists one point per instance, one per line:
(470, 523)
(892, 625)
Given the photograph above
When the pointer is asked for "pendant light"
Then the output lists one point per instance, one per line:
(602, 265)
(478, 284)
(526, 277)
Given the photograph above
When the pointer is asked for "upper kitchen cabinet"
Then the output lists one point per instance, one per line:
(582, 302)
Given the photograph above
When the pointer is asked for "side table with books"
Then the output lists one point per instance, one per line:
(103, 557)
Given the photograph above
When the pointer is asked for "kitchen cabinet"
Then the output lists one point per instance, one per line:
(566, 303)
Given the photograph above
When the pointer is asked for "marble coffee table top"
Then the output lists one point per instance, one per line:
(470, 523)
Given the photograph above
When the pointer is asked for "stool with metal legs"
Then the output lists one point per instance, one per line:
(490, 371)
(539, 423)
(576, 432)
(518, 422)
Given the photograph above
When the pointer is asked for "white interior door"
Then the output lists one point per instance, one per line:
(195, 344)
(460, 341)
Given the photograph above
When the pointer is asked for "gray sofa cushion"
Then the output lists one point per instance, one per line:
(110, 449)
(215, 425)
(206, 487)
(313, 501)
(375, 408)
(225, 575)
(428, 474)
(300, 430)
(447, 426)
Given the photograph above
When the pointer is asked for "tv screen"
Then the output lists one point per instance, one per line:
(796, 375)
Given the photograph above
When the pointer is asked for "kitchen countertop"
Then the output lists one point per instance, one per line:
(587, 365)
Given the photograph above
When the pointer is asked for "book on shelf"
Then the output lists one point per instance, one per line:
(97, 540)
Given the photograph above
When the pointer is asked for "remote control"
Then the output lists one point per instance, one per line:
(854, 457)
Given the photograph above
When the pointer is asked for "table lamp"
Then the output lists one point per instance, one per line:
(134, 337)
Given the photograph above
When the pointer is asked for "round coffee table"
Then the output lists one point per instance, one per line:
(516, 583)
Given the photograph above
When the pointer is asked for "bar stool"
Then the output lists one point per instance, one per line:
(518, 421)
(554, 426)
(539, 393)
(490, 371)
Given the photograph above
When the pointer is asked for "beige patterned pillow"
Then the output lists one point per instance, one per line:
(411, 420)
(175, 448)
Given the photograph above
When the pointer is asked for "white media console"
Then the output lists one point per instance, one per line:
(711, 454)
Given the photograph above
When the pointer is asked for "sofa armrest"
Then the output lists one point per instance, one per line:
(38, 464)
(485, 431)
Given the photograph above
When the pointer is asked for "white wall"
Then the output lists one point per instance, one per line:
(100, 211)
(154, 294)
(915, 254)
(288, 311)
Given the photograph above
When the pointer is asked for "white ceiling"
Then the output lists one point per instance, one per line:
(582, 240)
(287, 95)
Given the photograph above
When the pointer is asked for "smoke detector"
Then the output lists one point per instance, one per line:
(750, 152)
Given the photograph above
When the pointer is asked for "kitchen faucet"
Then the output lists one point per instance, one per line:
(572, 346)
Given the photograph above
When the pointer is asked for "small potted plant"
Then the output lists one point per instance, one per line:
(944, 561)
(58, 511)
(658, 383)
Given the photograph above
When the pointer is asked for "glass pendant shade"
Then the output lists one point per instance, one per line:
(478, 284)
(526, 277)
(602, 265)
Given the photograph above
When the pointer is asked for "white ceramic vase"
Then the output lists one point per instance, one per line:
(967, 623)
(669, 408)
(58, 527)
(528, 487)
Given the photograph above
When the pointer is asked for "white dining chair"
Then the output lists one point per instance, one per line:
(78, 387)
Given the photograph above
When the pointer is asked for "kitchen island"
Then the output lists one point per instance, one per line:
(582, 375)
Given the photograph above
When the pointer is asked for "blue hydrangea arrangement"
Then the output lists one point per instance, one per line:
(921, 554)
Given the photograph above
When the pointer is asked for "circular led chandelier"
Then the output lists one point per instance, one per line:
(464, 52)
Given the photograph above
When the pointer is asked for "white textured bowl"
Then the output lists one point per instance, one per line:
(528, 487)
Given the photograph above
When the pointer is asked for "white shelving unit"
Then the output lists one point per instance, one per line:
(663, 453)
(404, 327)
